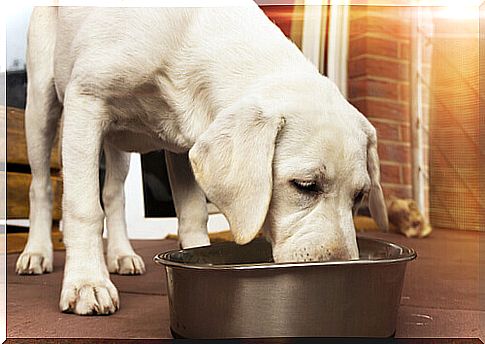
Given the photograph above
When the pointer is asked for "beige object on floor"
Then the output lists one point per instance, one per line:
(405, 218)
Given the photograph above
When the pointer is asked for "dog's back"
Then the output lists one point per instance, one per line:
(41, 43)
(135, 43)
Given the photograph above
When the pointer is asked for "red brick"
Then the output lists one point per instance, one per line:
(382, 11)
(373, 88)
(373, 46)
(358, 26)
(395, 153)
(372, 67)
(404, 51)
(400, 13)
(381, 47)
(390, 174)
(281, 15)
(383, 89)
(360, 104)
(394, 27)
(356, 68)
(357, 47)
(386, 131)
(400, 191)
(357, 88)
(374, 108)
(357, 12)
(404, 92)
(405, 133)
(390, 27)
(406, 172)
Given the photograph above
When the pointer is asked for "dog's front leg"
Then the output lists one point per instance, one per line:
(190, 202)
(121, 257)
(86, 288)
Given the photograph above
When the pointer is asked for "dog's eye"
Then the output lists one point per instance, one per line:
(307, 186)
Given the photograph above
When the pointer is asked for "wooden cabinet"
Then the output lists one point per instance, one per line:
(19, 178)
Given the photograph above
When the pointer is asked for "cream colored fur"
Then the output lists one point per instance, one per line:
(270, 141)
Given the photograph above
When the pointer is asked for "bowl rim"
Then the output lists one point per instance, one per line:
(408, 254)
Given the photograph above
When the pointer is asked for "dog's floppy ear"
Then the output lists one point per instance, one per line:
(232, 163)
(377, 205)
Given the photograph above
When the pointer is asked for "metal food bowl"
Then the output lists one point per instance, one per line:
(231, 291)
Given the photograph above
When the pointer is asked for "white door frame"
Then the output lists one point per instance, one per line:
(338, 39)
(141, 227)
(338, 44)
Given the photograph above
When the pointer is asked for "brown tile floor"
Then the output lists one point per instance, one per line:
(440, 296)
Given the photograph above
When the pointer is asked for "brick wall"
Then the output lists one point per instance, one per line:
(379, 86)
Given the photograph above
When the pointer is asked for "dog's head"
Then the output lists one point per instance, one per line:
(296, 161)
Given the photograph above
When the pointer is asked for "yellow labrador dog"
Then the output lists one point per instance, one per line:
(245, 119)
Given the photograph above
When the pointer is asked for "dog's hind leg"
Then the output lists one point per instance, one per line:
(190, 202)
(121, 257)
(42, 115)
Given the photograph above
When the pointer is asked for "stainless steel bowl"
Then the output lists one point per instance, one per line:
(231, 291)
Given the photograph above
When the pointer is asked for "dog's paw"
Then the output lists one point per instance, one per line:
(89, 298)
(126, 264)
(35, 262)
